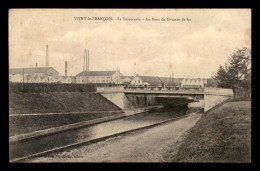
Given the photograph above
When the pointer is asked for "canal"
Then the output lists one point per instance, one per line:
(40, 144)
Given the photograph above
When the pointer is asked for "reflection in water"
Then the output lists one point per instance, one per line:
(40, 144)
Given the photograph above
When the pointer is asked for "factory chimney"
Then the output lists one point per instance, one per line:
(88, 60)
(47, 56)
(86, 53)
(66, 73)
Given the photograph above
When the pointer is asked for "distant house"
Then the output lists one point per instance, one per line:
(99, 77)
(146, 81)
(39, 74)
(193, 83)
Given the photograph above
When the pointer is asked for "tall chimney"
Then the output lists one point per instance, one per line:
(66, 73)
(84, 63)
(88, 60)
(86, 53)
(47, 56)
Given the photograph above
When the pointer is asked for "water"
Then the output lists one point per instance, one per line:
(40, 144)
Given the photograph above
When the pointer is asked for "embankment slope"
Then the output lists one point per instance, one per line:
(221, 135)
(58, 102)
(92, 106)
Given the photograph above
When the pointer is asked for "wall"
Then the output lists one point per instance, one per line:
(115, 78)
(129, 101)
(135, 80)
(116, 98)
(215, 96)
(52, 72)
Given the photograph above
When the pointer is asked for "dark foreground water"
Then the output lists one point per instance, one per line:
(40, 144)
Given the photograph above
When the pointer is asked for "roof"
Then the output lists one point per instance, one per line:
(168, 80)
(195, 79)
(123, 77)
(29, 70)
(97, 73)
(150, 79)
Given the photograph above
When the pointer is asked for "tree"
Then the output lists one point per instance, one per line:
(240, 66)
(237, 72)
(222, 78)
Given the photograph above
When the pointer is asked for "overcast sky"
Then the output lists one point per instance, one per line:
(190, 49)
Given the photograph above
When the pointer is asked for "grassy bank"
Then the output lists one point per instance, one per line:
(55, 102)
(58, 102)
(30, 123)
(221, 135)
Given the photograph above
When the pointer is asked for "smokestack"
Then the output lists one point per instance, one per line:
(47, 56)
(84, 62)
(36, 65)
(66, 65)
(86, 52)
(88, 60)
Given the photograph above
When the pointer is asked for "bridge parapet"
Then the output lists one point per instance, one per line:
(218, 91)
(110, 89)
(121, 89)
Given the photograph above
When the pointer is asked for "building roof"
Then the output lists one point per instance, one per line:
(195, 80)
(29, 70)
(97, 73)
(123, 77)
(168, 80)
(151, 79)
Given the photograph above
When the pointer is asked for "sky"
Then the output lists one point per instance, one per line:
(189, 49)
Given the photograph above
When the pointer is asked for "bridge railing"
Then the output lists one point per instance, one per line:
(149, 89)
(107, 89)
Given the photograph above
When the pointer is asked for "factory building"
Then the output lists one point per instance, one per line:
(193, 83)
(99, 77)
(39, 74)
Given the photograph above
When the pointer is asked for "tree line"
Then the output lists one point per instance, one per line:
(236, 73)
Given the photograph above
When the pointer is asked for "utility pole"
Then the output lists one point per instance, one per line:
(170, 81)
(117, 76)
(47, 56)
(88, 59)
(23, 78)
(173, 79)
(83, 66)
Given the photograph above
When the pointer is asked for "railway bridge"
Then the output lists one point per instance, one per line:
(133, 98)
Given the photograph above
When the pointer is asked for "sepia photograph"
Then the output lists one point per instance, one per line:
(129, 85)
